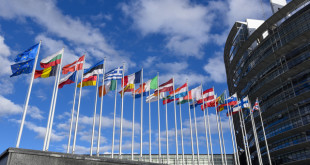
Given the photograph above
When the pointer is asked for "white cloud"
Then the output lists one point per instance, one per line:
(215, 67)
(184, 24)
(9, 108)
(173, 67)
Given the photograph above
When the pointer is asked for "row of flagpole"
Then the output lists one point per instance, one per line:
(217, 103)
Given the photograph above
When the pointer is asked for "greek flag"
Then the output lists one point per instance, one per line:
(114, 74)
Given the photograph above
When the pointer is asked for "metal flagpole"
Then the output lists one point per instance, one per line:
(102, 90)
(190, 123)
(141, 125)
(246, 138)
(133, 121)
(222, 136)
(266, 143)
(49, 115)
(255, 135)
(234, 131)
(159, 140)
(150, 131)
(72, 111)
(94, 118)
(218, 129)
(205, 122)
(113, 136)
(55, 99)
(181, 135)
(121, 122)
(196, 133)
(175, 125)
(232, 138)
(167, 138)
(210, 136)
(244, 142)
(27, 99)
(78, 110)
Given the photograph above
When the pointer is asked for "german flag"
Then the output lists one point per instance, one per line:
(47, 72)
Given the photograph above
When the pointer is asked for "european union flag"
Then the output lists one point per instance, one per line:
(22, 67)
(28, 54)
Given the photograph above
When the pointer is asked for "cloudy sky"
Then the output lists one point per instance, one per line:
(183, 39)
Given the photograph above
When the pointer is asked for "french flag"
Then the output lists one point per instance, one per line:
(69, 79)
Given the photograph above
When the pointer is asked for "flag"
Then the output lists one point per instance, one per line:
(52, 60)
(232, 100)
(207, 95)
(132, 79)
(165, 87)
(235, 109)
(147, 86)
(109, 86)
(94, 70)
(114, 74)
(256, 106)
(46, 72)
(244, 103)
(208, 104)
(220, 100)
(139, 95)
(69, 79)
(28, 54)
(169, 99)
(76, 65)
(222, 107)
(88, 81)
(22, 67)
(192, 94)
(179, 92)
(153, 97)
(128, 88)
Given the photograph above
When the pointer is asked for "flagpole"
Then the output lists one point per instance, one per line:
(210, 135)
(52, 119)
(244, 141)
(205, 122)
(232, 138)
(266, 143)
(175, 125)
(121, 122)
(94, 118)
(133, 121)
(159, 140)
(255, 135)
(222, 136)
(246, 138)
(181, 135)
(141, 125)
(150, 132)
(72, 111)
(102, 90)
(218, 129)
(27, 99)
(234, 131)
(78, 110)
(49, 115)
(190, 123)
(167, 138)
(113, 136)
(196, 133)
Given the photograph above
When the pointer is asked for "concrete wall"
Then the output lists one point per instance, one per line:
(15, 156)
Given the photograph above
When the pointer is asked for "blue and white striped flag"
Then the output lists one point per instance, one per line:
(114, 74)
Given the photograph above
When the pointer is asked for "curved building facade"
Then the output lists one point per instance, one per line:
(270, 60)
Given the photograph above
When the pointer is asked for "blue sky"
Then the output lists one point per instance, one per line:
(183, 39)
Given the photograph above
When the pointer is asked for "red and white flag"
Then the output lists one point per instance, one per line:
(165, 87)
(207, 95)
(76, 65)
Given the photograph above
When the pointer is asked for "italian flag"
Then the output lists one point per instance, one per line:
(52, 60)
(110, 86)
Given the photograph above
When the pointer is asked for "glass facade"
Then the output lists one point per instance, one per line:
(277, 72)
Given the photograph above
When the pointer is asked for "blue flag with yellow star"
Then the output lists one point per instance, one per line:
(28, 54)
(22, 68)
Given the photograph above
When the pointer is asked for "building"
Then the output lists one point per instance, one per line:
(270, 60)
(203, 158)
